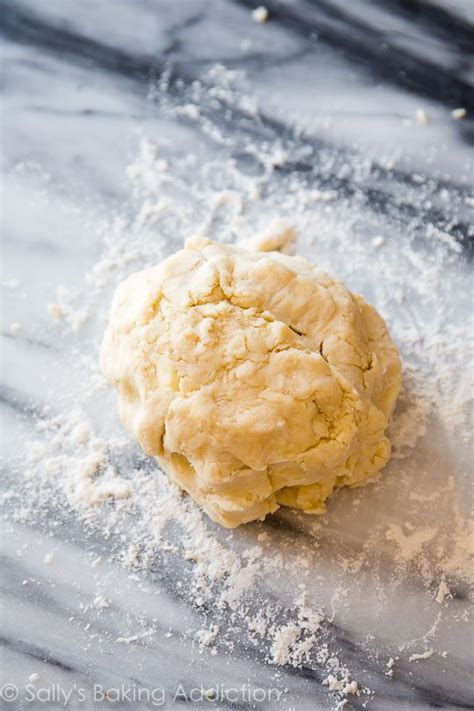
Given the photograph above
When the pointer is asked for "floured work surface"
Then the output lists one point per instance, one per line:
(370, 601)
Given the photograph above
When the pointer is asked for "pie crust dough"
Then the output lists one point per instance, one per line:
(254, 378)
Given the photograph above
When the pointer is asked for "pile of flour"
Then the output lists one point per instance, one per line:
(261, 181)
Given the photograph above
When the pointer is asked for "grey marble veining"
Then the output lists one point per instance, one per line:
(77, 89)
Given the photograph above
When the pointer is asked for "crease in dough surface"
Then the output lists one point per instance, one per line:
(254, 378)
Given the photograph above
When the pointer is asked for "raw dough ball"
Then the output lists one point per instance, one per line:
(255, 378)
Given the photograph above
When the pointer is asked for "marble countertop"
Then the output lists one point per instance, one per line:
(127, 124)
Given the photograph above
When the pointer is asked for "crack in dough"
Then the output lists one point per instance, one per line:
(255, 378)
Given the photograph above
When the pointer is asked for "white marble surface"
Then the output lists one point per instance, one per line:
(337, 88)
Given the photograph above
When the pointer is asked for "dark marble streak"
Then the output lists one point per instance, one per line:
(110, 115)
(36, 342)
(435, 696)
(267, 128)
(28, 245)
(280, 522)
(10, 398)
(405, 688)
(360, 43)
(347, 648)
(376, 199)
(25, 27)
(42, 596)
(380, 201)
(437, 20)
(18, 26)
(34, 652)
(14, 572)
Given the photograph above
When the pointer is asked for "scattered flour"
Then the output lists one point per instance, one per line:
(459, 113)
(16, 328)
(283, 643)
(101, 602)
(409, 544)
(422, 117)
(49, 558)
(260, 14)
(421, 655)
(207, 637)
(443, 592)
(76, 467)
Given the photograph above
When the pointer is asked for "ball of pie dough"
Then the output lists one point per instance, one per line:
(254, 378)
